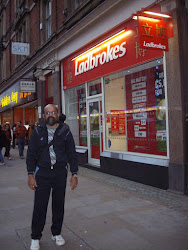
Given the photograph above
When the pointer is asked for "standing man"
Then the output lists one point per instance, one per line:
(20, 132)
(47, 170)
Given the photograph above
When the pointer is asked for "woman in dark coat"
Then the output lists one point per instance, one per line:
(8, 141)
(2, 144)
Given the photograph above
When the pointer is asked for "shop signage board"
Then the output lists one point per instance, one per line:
(27, 86)
(153, 33)
(14, 96)
(117, 50)
(20, 48)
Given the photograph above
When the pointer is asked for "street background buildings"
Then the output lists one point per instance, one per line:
(125, 104)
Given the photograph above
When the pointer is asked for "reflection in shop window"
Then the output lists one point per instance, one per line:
(136, 110)
(94, 87)
(75, 106)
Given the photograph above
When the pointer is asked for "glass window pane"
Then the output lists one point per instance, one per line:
(136, 110)
(115, 113)
(94, 87)
(48, 19)
(75, 106)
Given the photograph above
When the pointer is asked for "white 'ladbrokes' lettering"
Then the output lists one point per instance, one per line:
(106, 56)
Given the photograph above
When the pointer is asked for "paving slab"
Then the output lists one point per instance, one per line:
(73, 242)
(104, 212)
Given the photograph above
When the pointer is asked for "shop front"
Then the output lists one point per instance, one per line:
(18, 104)
(115, 100)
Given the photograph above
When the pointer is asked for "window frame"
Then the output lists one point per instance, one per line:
(48, 12)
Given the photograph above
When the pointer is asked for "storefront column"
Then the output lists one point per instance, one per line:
(56, 84)
(40, 92)
(176, 111)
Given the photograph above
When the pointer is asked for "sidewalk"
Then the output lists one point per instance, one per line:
(104, 213)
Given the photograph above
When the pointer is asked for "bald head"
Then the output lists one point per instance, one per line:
(49, 106)
(51, 115)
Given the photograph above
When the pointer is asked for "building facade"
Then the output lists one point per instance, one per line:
(125, 103)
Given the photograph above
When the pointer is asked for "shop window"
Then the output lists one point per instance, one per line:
(75, 106)
(48, 18)
(94, 87)
(135, 108)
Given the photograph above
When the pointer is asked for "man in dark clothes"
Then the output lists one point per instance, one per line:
(47, 169)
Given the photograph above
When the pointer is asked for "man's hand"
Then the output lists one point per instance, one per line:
(32, 182)
(73, 182)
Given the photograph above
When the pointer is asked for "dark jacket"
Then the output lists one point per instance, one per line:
(2, 139)
(9, 137)
(63, 145)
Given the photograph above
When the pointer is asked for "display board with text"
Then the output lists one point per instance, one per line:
(146, 111)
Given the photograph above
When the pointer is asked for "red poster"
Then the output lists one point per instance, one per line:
(153, 33)
(118, 121)
(114, 120)
(122, 123)
(108, 118)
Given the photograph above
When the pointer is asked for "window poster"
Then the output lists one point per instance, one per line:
(82, 117)
(161, 135)
(146, 111)
(118, 122)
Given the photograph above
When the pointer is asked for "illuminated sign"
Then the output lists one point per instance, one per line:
(153, 33)
(108, 50)
(153, 29)
(106, 55)
(8, 99)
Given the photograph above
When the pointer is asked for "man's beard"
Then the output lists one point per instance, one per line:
(51, 121)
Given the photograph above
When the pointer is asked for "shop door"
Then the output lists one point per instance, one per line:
(95, 140)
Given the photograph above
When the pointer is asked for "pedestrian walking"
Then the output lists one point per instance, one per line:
(21, 132)
(14, 135)
(8, 140)
(2, 144)
(50, 148)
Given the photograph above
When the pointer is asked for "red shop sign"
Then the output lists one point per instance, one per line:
(153, 33)
(117, 50)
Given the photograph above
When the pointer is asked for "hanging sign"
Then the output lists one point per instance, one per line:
(154, 30)
(153, 33)
(27, 86)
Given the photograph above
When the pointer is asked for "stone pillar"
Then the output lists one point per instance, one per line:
(176, 106)
(41, 91)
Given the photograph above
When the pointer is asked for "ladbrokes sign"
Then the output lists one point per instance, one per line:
(153, 33)
(92, 61)
(115, 51)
